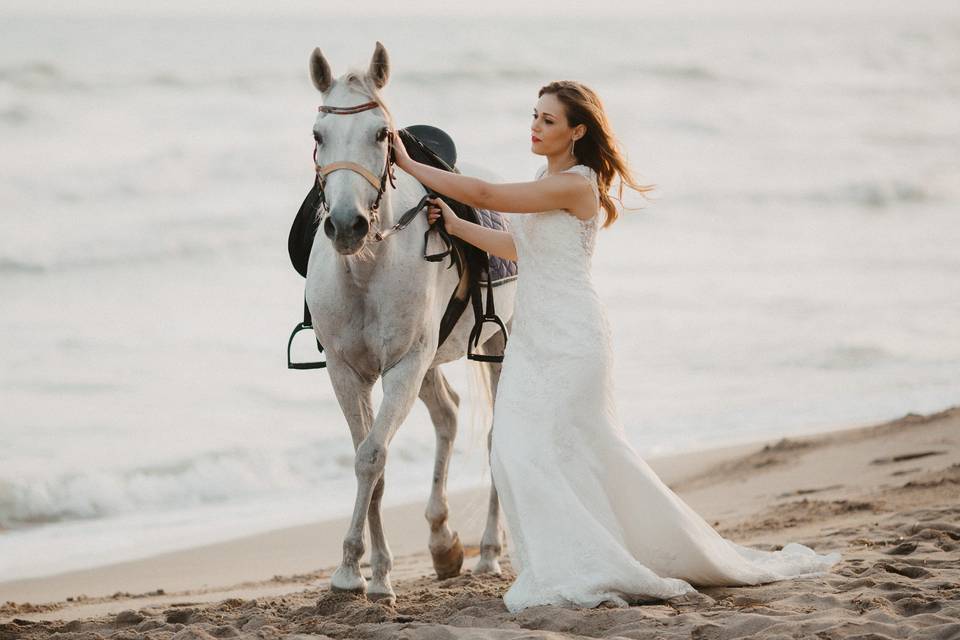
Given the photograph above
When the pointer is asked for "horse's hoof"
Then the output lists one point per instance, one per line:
(491, 566)
(354, 592)
(344, 581)
(381, 591)
(448, 563)
(387, 599)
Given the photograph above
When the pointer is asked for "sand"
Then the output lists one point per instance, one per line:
(886, 496)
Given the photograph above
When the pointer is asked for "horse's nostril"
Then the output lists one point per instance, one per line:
(328, 228)
(361, 226)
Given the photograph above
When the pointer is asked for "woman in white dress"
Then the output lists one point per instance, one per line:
(588, 520)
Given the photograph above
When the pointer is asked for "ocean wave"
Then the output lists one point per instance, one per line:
(864, 194)
(671, 71)
(868, 194)
(15, 115)
(469, 75)
(518, 72)
(17, 266)
(44, 76)
(209, 478)
(854, 357)
(38, 74)
(196, 248)
(844, 357)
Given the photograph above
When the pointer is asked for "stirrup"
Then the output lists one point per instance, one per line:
(320, 364)
(474, 339)
(438, 257)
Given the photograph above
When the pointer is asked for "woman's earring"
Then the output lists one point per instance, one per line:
(573, 143)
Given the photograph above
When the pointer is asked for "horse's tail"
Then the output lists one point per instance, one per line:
(480, 389)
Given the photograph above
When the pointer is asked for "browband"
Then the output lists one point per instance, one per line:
(366, 106)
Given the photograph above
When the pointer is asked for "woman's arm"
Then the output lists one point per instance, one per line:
(499, 243)
(561, 191)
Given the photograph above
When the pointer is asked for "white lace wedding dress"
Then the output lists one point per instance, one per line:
(587, 519)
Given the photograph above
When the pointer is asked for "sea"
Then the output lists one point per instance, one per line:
(797, 268)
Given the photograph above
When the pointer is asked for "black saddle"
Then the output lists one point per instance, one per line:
(476, 267)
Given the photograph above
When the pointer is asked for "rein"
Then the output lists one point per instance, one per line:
(380, 184)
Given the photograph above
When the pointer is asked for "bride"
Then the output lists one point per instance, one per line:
(588, 519)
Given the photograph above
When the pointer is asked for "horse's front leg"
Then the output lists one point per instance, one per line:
(400, 385)
(353, 392)
(442, 402)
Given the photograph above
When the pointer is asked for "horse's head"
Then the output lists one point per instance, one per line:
(352, 152)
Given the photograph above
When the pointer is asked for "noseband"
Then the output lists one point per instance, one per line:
(380, 184)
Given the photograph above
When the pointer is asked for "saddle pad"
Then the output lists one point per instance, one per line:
(501, 269)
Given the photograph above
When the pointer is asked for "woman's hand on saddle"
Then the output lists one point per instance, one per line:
(438, 208)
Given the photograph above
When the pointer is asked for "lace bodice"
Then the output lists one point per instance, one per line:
(552, 233)
(556, 301)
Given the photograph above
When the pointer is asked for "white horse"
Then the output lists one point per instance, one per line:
(376, 307)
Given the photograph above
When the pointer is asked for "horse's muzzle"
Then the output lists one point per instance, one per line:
(348, 231)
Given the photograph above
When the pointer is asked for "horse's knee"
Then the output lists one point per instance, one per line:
(371, 459)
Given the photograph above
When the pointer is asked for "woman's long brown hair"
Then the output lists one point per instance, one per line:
(598, 148)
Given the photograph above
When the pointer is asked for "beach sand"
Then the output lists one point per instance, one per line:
(886, 496)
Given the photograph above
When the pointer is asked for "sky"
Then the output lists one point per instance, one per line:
(503, 8)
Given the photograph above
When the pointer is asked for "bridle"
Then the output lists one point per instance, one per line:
(380, 184)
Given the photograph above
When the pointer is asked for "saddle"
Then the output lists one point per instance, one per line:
(476, 268)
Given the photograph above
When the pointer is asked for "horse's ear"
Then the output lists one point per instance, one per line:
(320, 71)
(379, 70)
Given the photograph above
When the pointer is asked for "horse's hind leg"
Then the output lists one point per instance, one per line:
(442, 402)
(490, 543)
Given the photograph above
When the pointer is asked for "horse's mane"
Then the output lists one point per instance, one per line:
(362, 84)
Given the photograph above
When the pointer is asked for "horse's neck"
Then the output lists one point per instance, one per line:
(399, 200)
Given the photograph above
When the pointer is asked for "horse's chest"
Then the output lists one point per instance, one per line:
(367, 329)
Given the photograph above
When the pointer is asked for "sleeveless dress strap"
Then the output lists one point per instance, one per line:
(581, 170)
(589, 174)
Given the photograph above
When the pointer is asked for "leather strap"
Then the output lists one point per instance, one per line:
(366, 106)
(327, 169)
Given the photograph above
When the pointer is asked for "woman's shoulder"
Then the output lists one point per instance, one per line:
(588, 173)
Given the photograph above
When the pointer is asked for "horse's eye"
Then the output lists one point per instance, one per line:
(382, 134)
(318, 137)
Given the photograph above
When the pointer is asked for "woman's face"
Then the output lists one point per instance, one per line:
(550, 133)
